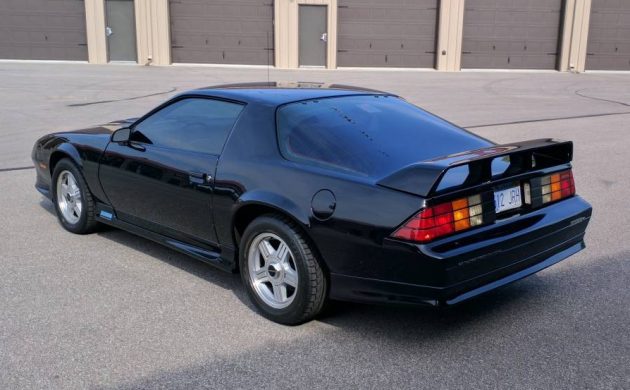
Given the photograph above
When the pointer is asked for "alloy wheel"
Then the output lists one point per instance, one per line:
(69, 197)
(272, 270)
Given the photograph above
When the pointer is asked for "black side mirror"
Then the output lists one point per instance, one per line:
(121, 135)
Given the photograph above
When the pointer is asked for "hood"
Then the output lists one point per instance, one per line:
(106, 128)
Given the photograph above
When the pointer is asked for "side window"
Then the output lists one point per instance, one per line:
(195, 124)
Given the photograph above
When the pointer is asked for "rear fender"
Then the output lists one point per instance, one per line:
(273, 203)
(272, 200)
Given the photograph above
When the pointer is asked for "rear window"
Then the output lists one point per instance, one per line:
(372, 135)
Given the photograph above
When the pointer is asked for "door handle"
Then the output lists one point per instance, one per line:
(199, 178)
(324, 37)
(108, 31)
(136, 146)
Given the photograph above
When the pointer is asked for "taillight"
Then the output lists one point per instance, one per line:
(552, 188)
(443, 219)
(464, 213)
(557, 186)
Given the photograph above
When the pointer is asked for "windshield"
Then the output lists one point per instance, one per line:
(372, 135)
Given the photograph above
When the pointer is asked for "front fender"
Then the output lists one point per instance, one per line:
(85, 152)
(64, 149)
(47, 151)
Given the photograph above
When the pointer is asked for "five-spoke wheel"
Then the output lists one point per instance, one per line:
(281, 271)
(72, 198)
(69, 197)
(272, 270)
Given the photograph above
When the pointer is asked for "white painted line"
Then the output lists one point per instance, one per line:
(305, 68)
(608, 71)
(124, 63)
(237, 66)
(372, 69)
(511, 71)
(41, 61)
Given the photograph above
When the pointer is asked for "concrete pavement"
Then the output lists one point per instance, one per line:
(111, 310)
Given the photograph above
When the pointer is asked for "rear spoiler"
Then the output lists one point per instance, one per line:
(423, 178)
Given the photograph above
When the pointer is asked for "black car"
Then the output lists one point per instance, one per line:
(319, 192)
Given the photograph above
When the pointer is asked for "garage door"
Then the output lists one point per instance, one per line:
(517, 34)
(609, 35)
(396, 33)
(42, 30)
(222, 31)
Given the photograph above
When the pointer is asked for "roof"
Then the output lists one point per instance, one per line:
(277, 93)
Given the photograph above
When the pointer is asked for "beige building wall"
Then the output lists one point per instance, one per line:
(449, 39)
(153, 32)
(154, 41)
(95, 31)
(575, 35)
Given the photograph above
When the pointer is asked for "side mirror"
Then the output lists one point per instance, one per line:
(121, 135)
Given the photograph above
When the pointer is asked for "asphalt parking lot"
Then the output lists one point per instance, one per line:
(111, 310)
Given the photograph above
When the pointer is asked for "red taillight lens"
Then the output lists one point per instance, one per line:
(462, 214)
(442, 220)
(557, 186)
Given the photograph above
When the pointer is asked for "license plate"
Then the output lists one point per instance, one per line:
(507, 199)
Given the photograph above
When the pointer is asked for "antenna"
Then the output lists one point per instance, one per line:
(268, 57)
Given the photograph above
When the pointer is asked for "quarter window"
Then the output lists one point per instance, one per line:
(193, 124)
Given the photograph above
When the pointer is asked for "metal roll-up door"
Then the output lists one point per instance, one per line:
(396, 33)
(511, 34)
(43, 30)
(222, 31)
(609, 35)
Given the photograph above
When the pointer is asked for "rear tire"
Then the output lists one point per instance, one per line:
(72, 198)
(280, 271)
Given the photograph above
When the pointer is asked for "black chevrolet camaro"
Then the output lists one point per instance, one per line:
(318, 192)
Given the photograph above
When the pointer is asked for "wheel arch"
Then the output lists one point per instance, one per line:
(64, 150)
(248, 210)
(255, 205)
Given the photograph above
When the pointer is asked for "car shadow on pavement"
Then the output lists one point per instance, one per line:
(533, 334)
(542, 325)
(345, 314)
(172, 257)
(337, 313)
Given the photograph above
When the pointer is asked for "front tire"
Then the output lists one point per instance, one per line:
(72, 198)
(280, 271)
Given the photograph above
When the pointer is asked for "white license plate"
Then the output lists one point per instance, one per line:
(507, 199)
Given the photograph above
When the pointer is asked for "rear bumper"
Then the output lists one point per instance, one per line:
(380, 291)
(460, 270)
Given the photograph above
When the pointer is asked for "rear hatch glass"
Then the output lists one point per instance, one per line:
(372, 135)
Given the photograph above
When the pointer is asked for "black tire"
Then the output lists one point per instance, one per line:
(87, 220)
(310, 296)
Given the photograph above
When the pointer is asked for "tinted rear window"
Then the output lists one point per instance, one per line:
(368, 134)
